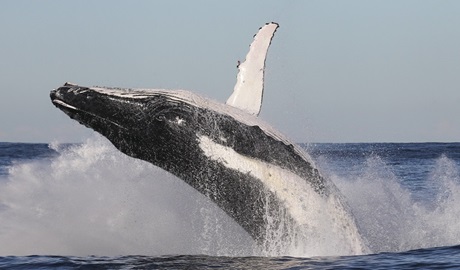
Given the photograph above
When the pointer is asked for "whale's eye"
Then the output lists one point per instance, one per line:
(160, 117)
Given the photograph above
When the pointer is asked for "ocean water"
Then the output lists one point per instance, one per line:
(89, 206)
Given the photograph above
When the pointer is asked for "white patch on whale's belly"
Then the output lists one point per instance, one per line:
(287, 186)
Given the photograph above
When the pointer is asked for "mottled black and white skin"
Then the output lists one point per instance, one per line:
(224, 151)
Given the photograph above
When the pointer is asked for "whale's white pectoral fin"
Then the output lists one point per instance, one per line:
(249, 87)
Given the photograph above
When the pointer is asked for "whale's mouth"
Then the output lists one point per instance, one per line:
(82, 116)
(62, 105)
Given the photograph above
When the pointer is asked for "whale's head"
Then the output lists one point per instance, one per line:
(133, 120)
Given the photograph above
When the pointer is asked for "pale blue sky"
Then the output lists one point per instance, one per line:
(337, 71)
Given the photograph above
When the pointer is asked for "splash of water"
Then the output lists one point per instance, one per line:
(389, 217)
(93, 200)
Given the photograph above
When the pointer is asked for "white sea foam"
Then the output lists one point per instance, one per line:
(93, 200)
(391, 219)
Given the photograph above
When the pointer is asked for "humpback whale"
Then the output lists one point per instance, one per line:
(262, 180)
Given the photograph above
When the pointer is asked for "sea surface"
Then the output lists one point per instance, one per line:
(87, 206)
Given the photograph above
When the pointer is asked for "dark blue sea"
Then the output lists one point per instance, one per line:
(87, 206)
